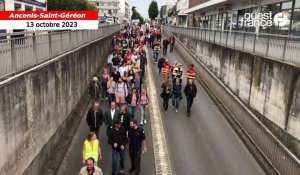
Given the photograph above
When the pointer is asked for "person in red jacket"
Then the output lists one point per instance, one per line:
(191, 72)
(166, 70)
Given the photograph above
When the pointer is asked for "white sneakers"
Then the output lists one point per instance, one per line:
(145, 121)
(176, 110)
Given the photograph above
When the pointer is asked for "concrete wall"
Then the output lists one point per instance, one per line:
(271, 89)
(36, 104)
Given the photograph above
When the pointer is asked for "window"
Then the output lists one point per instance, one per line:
(295, 30)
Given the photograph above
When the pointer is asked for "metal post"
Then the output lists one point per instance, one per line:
(70, 39)
(13, 55)
(34, 45)
(234, 39)
(77, 38)
(244, 37)
(50, 45)
(268, 43)
(61, 42)
(226, 44)
(215, 32)
(254, 43)
(284, 48)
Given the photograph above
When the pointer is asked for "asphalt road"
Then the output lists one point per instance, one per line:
(203, 143)
(72, 162)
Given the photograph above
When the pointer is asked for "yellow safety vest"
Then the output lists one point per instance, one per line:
(91, 151)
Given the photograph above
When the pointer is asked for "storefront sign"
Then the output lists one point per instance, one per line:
(264, 19)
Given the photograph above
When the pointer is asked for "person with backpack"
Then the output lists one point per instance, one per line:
(95, 89)
(143, 104)
(190, 92)
(121, 92)
(132, 101)
(166, 94)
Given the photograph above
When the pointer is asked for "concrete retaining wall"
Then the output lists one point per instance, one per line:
(271, 89)
(35, 107)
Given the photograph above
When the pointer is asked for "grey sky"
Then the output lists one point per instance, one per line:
(143, 5)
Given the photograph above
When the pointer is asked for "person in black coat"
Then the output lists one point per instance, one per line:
(125, 117)
(94, 118)
(190, 92)
(160, 64)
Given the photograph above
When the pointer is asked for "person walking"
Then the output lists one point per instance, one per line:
(138, 83)
(166, 94)
(190, 91)
(95, 89)
(176, 94)
(94, 118)
(121, 92)
(172, 43)
(160, 64)
(111, 86)
(136, 141)
(143, 104)
(90, 168)
(165, 45)
(156, 51)
(104, 79)
(132, 101)
(118, 140)
(125, 117)
(110, 116)
(166, 71)
(91, 148)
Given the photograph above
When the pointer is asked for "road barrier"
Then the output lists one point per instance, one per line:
(285, 48)
(20, 51)
(274, 152)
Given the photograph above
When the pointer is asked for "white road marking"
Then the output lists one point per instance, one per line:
(161, 155)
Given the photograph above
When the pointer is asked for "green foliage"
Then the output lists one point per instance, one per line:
(153, 10)
(70, 5)
(136, 15)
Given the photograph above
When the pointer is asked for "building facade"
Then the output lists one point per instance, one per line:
(21, 5)
(116, 10)
(231, 14)
(180, 16)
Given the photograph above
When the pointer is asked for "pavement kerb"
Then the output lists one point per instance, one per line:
(160, 148)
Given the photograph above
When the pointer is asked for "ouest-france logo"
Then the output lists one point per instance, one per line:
(264, 19)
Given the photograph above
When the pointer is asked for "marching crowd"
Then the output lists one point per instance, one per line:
(121, 84)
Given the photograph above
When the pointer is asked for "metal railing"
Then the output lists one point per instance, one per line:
(285, 48)
(275, 152)
(20, 51)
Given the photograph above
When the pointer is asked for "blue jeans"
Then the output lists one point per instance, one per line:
(115, 160)
(155, 56)
(175, 101)
(131, 110)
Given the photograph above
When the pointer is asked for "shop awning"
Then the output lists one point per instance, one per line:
(203, 5)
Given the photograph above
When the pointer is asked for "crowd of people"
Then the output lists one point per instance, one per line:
(121, 84)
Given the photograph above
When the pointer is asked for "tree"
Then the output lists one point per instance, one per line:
(136, 15)
(153, 10)
(70, 5)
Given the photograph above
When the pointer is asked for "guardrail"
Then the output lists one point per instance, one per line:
(285, 48)
(275, 153)
(20, 51)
